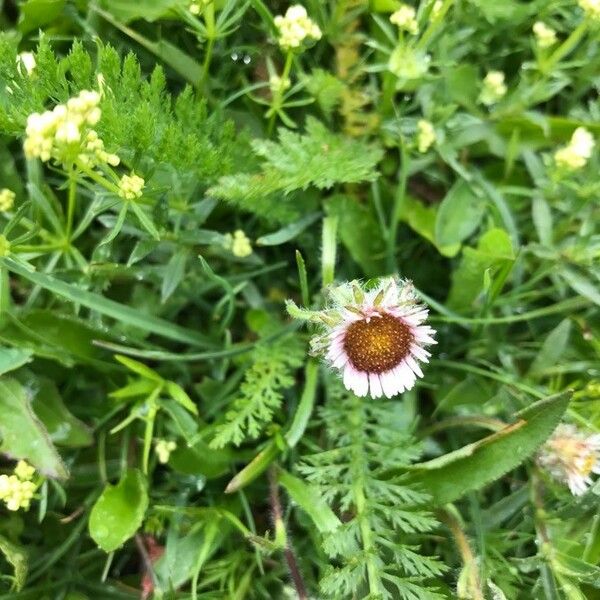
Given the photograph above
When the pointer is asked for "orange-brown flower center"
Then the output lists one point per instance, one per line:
(379, 344)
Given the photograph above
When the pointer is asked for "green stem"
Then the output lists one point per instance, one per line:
(278, 96)
(107, 185)
(434, 24)
(72, 194)
(397, 207)
(566, 47)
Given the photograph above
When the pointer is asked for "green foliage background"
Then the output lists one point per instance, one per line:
(135, 322)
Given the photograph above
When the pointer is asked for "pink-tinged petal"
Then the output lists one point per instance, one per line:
(349, 372)
(414, 365)
(361, 383)
(340, 361)
(420, 353)
(389, 384)
(423, 337)
(375, 385)
(408, 378)
(399, 382)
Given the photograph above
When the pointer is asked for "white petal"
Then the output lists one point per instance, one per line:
(414, 365)
(420, 353)
(375, 385)
(389, 384)
(408, 378)
(349, 371)
(361, 383)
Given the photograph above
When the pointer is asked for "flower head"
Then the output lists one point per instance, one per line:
(591, 8)
(375, 337)
(7, 199)
(406, 19)
(17, 490)
(24, 471)
(296, 27)
(493, 88)
(278, 85)
(131, 186)
(577, 152)
(570, 456)
(163, 450)
(425, 135)
(238, 243)
(544, 36)
(65, 133)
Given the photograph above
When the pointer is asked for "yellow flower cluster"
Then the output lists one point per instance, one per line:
(278, 85)
(296, 27)
(544, 36)
(591, 8)
(406, 19)
(17, 490)
(131, 186)
(238, 243)
(577, 152)
(493, 89)
(7, 199)
(425, 135)
(64, 133)
(163, 449)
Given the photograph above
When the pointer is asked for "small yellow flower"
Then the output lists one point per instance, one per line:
(577, 152)
(7, 199)
(544, 36)
(406, 19)
(131, 186)
(16, 493)
(426, 135)
(591, 8)
(296, 27)
(24, 471)
(238, 243)
(493, 89)
(163, 449)
(279, 85)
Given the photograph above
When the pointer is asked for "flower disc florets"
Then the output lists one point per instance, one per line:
(570, 456)
(374, 337)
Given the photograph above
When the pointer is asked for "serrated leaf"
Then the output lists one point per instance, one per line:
(119, 511)
(449, 477)
(22, 433)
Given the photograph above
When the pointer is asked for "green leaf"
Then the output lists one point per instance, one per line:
(145, 221)
(449, 477)
(119, 511)
(150, 10)
(459, 215)
(180, 396)
(121, 312)
(16, 556)
(289, 232)
(254, 468)
(139, 368)
(13, 358)
(552, 348)
(310, 501)
(174, 273)
(22, 433)
(37, 13)
(359, 232)
(494, 252)
(581, 284)
(64, 428)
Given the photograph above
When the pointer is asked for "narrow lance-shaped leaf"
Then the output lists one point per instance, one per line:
(449, 477)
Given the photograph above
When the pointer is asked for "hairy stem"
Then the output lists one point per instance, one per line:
(281, 535)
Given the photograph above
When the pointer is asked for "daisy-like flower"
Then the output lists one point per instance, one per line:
(571, 456)
(374, 337)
